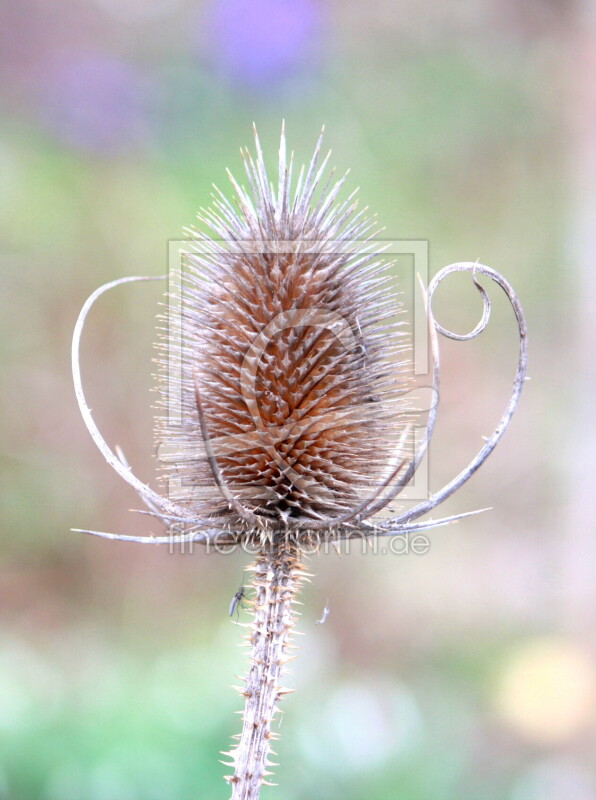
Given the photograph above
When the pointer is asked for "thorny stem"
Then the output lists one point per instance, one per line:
(277, 575)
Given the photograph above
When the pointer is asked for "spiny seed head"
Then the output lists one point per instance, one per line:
(280, 378)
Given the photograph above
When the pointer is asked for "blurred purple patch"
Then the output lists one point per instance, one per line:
(93, 102)
(261, 43)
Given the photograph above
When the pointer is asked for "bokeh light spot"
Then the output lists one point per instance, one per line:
(260, 43)
(93, 102)
(547, 691)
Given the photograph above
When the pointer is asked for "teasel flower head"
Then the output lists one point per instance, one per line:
(283, 380)
(291, 353)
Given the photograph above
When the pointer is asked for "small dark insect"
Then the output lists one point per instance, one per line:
(237, 602)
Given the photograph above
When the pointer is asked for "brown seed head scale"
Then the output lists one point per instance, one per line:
(292, 359)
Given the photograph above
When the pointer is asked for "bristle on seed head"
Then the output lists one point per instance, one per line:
(283, 348)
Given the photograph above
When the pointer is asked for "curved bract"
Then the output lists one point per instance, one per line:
(397, 524)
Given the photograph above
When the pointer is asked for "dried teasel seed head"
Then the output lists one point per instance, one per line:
(291, 356)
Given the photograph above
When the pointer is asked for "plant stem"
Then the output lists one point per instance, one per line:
(277, 575)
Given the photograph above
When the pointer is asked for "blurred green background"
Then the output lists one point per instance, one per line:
(465, 673)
